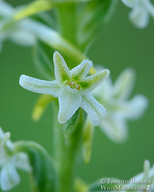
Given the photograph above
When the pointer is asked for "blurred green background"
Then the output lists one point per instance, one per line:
(120, 45)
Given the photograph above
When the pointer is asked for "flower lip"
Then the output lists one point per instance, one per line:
(73, 84)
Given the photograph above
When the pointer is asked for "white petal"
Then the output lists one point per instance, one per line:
(23, 37)
(104, 91)
(151, 173)
(124, 84)
(22, 162)
(138, 177)
(146, 4)
(135, 108)
(5, 141)
(81, 70)
(115, 128)
(130, 3)
(146, 168)
(6, 9)
(62, 72)
(9, 177)
(1, 134)
(139, 17)
(94, 109)
(69, 102)
(40, 86)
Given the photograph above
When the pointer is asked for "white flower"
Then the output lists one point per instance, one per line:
(119, 109)
(142, 9)
(9, 161)
(144, 179)
(72, 88)
(12, 30)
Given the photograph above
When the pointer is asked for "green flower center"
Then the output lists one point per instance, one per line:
(73, 85)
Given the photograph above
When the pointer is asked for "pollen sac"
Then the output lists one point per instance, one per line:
(73, 85)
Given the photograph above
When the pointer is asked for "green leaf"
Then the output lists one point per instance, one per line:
(88, 133)
(43, 176)
(43, 60)
(45, 18)
(92, 16)
(69, 125)
(86, 20)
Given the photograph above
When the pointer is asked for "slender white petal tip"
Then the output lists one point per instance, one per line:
(130, 3)
(146, 167)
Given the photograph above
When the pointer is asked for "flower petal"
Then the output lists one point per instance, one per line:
(115, 128)
(22, 162)
(139, 16)
(124, 84)
(69, 102)
(6, 9)
(40, 86)
(62, 72)
(9, 177)
(81, 70)
(146, 168)
(148, 6)
(135, 108)
(151, 174)
(23, 37)
(1, 134)
(89, 83)
(94, 109)
(130, 3)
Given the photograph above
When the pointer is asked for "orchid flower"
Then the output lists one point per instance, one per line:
(72, 88)
(141, 10)
(115, 99)
(12, 30)
(9, 161)
(144, 180)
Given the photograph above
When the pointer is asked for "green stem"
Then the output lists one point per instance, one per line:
(67, 21)
(66, 146)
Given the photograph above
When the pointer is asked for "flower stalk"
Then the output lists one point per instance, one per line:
(67, 142)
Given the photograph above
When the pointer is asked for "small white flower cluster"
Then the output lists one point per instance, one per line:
(9, 161)
(119, 109)
(141, 11)
(12, 30)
